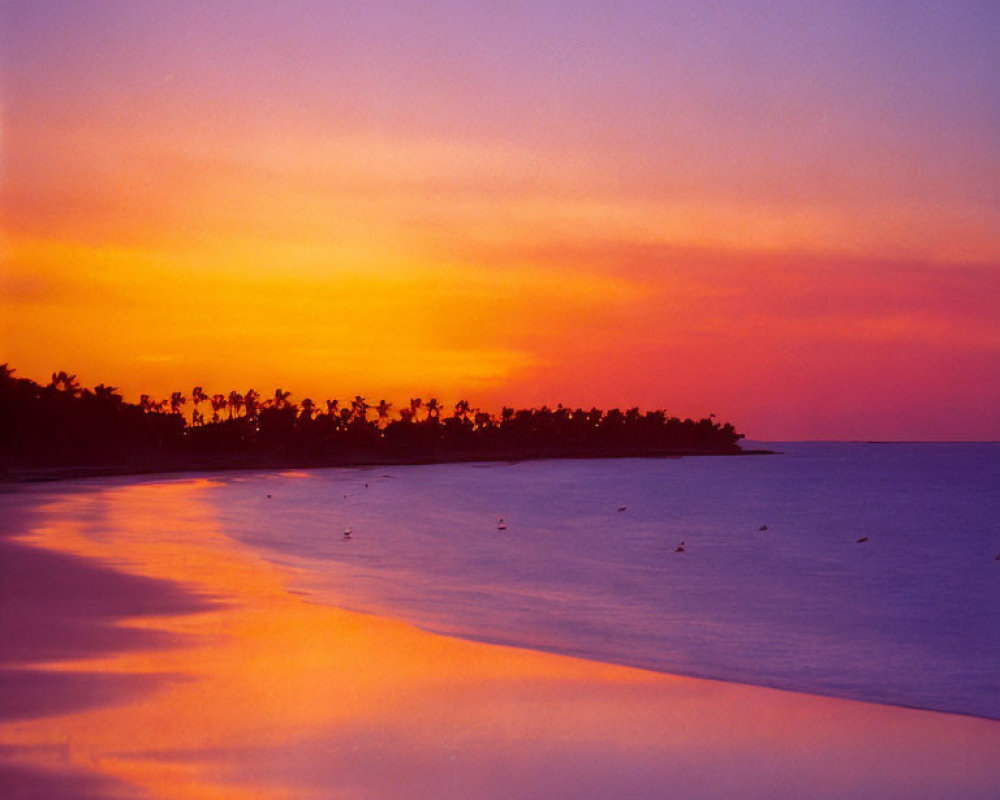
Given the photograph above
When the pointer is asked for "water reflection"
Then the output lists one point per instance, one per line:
(241, 689)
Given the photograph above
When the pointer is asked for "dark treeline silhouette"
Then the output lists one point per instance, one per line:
(63, 424)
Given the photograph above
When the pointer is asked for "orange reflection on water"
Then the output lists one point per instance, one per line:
(269, 695)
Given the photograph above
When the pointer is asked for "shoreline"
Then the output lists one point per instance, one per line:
(13, 475)
(687, 675)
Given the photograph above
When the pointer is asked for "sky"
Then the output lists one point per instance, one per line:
(784, 213)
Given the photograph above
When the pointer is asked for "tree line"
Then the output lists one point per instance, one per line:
(64, 423)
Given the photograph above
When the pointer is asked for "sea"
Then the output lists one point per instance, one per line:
(865, 571)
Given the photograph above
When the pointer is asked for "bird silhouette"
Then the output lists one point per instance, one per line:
(679, 548)
(621, 508)
(762, 528)
(862, 540)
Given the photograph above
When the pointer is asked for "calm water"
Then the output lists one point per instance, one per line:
(911, 617)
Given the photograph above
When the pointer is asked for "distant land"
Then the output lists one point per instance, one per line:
(63, 430)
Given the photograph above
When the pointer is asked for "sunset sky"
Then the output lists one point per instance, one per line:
(785, 212)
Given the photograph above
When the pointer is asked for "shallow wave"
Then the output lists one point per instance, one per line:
(909, 616)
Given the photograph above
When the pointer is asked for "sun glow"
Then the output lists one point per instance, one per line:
(492, 222)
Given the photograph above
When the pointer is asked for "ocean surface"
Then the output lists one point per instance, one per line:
(909, 617)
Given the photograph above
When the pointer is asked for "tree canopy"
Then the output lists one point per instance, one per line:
(62, 423)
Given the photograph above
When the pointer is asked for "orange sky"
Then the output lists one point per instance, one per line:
(791, 221)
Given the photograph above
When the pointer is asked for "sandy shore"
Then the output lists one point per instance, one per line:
(147, 654)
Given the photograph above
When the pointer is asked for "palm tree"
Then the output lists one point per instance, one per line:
(333, 413)
(415, 404)
(235, 403)
(382, 410)
(433, 408)
(62, 382)
(462, 410)
(359, 408)
(218, 402)
(177, 399)
(198, 397)
(281, 398)
(107, 394)
(252, 402)
(308, 409)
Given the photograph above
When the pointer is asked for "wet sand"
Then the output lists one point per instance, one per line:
(147, 654)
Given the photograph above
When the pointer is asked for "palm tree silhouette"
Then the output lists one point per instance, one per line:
(235, 403)
(198, 397)
(252, 402)
(359, 408)
(107, 393)
(102, 414)
(382, 410)
(218, 402)
(62, 382)
(281, 398)
(177, 399)
(308, 408)
(415, 404)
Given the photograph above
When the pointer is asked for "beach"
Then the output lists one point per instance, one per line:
(149, 653)
(380, 385)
